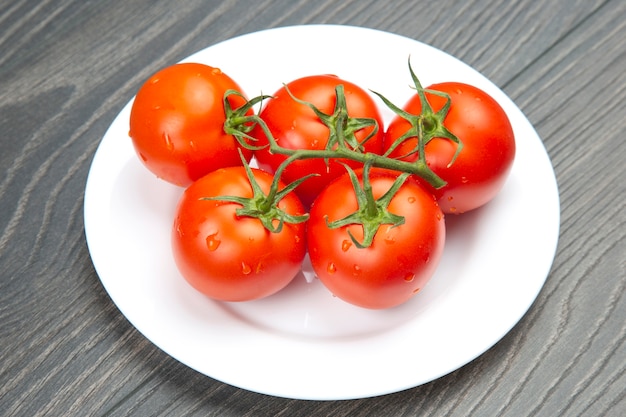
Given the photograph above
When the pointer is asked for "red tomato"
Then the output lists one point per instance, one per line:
(296, 126)
(483, 164)
(176, 123)
(228, 257)
(400, 260)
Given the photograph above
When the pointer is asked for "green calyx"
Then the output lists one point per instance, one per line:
(424, 126)
(265, 206)
(371, 213)
(342, 127)
(238, 122)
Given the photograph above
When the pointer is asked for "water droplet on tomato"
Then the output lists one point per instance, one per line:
(143, 157)
(345, 245)
(439, 216)
(259, 268)
(216, 71)
(415, 291)
(245, 268)
(411, 200)
(450, 198)
(192, 145)
(390, 239)
(331, 268)
(356, 270)
(155, 80)
(212, 242)
(452, 209)
(168, 142)
(409, 277)
(464, 180)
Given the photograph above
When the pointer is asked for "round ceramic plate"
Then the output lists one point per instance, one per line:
(302, 342)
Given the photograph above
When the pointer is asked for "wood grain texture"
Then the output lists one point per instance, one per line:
(66, 69)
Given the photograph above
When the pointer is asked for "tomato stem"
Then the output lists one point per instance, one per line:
(264, 207)
(238, 122)
(371, 213)
(342, 143)
(342, 127)
(418, 167)
(371, 210)
(425, 126)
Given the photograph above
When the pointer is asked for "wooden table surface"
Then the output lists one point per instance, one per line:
(67, 68)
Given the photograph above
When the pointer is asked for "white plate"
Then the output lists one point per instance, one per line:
(303, 343)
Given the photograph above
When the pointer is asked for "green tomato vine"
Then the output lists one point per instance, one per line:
(342, 144)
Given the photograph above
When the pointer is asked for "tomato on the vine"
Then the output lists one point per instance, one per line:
(401, 257)
(295, 125)
(475, 174)
(229, 256)
(177, 122)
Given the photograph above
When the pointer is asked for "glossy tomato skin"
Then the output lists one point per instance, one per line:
(176, 123)
(482, 166)
(232, 258)
(400, 261)
(295, 126)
